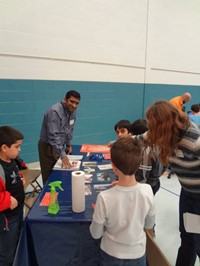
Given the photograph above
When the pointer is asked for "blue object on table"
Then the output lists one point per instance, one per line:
(96, 157)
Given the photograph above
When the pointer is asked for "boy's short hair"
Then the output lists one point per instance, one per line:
(138, 127)
(9, 135)
(73, 93)
(126, 155)
(122, 124)
(195, 108)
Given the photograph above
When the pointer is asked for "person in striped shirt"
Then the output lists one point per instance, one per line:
(178, 139)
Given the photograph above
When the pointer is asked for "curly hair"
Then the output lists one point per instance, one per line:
(167, 125)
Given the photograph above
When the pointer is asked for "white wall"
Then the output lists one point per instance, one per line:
(98, 40)
(173, 53)
(152, 41)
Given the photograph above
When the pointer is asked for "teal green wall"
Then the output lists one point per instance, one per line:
(154, 92)
(23, 103)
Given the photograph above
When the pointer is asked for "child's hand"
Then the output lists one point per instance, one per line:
(114, 183)
(14, 203)
(111, 143)
(23, 180)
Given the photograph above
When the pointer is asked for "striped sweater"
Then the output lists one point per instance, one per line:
(186, 163)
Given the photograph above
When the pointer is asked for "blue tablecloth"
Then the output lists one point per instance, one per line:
(63, 239)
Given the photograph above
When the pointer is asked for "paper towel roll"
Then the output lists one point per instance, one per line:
(78, 191)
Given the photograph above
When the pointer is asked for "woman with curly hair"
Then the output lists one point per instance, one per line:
(178, 140)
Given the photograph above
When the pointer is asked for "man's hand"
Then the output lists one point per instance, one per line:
(14, 203)
(65, 163)
(69, 149)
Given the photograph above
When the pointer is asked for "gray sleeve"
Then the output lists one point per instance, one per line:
(150, 218)
(72, 121)
(97, 227)
(56, 140)
(149, 222)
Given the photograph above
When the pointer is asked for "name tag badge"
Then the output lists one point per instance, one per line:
(71, 122)
(179, 154)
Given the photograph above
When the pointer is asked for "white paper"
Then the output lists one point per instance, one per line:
(89, 164)
(75, 157)
(78, 191)
(88, 178)
(191, 223)
(75, 165)
(101, 187)
(105, 166)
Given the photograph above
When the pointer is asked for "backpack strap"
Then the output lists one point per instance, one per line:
(2, 173)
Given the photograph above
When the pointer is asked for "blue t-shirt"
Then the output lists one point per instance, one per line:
(195, 119)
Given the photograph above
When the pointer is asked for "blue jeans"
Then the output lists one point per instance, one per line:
(190, 243)
(9, 240)
(107, 260)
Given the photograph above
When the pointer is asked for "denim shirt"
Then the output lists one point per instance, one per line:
(57, 128)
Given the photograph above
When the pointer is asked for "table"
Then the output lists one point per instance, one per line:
(65, 239)
(59, 240)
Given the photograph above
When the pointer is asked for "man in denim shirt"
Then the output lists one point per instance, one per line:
(56, 133)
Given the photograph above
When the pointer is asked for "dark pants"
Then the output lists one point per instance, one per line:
(107, 260)
(190, 243)
(47, 159)
(9, 240)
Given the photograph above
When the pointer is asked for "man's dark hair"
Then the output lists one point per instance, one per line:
(74, 94)
(126, 155)
(9, 135)
(138, 127)
(195, 108)
(123, 124)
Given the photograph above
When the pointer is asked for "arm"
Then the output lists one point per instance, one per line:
(5, 197)
(150, 218)
(59, 130)
(68, 149)
(7, 201)
(96, 230)
(111, 143)
(71, 124)
(14, 203)
(55, 139)
(97, 227)
(149, 221)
